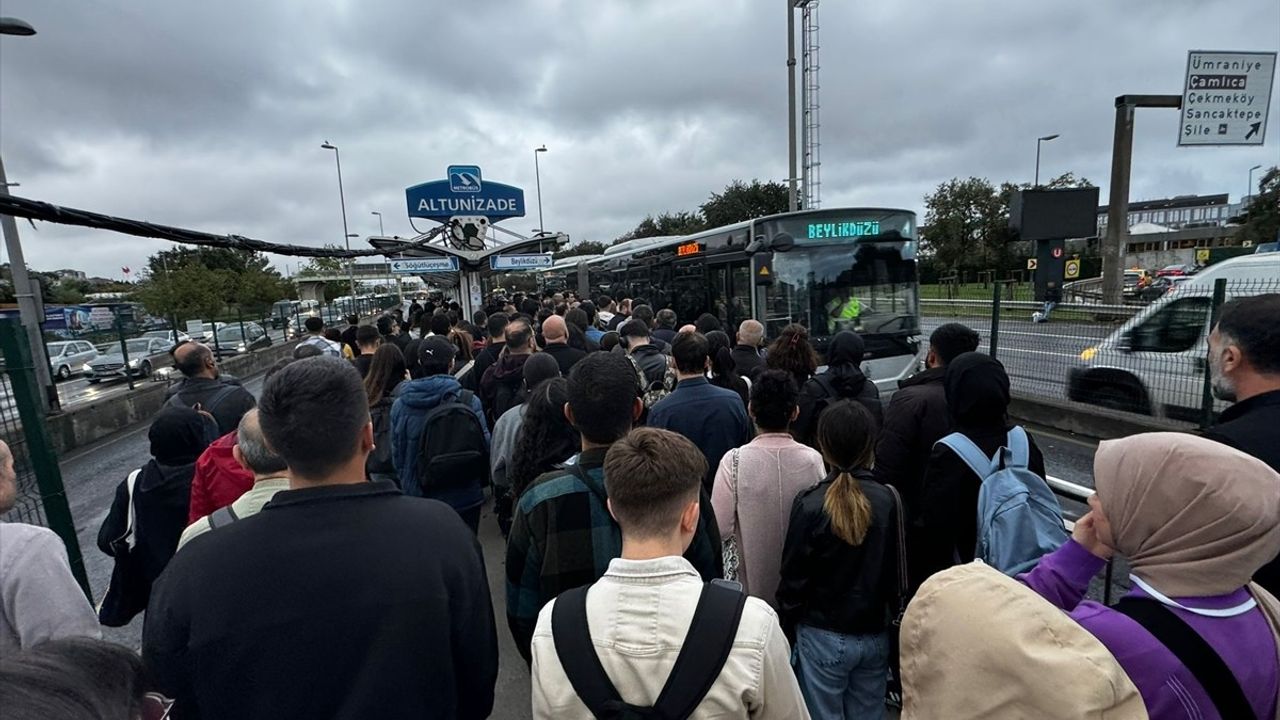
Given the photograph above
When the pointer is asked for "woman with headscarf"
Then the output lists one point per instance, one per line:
(842, 380)
(143, 541)
(977, 390)
(1195, 519)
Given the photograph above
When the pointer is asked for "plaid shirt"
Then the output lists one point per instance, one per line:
(563, 537)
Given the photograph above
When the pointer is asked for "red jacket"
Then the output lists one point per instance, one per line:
(219, 479)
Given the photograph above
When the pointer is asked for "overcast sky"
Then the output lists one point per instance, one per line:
(210, 115)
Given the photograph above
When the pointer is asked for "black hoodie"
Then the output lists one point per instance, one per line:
(842, 380)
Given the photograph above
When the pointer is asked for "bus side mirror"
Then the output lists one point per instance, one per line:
(782, 242)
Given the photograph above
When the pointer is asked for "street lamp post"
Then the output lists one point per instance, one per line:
(22, 286)
(381, 231)
(537, 175)
(1246, 195)
(342, 198)
(793, 199)
(1040, 140)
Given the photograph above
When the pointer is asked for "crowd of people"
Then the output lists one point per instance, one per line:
(698, 523)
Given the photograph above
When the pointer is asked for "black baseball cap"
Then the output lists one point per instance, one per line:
(436, 350)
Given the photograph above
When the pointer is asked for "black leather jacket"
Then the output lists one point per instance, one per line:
(827, 583)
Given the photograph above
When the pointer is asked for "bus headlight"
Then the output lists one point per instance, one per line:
(1089, 354)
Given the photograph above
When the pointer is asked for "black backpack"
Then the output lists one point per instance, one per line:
(379, 461)
(452, 453)
(702, 656)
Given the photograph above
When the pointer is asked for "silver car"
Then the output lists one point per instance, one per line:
(69, 357)
(145, 355)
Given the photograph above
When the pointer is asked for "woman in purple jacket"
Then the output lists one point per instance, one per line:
(1196, 519)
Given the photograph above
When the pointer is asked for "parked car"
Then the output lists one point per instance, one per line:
(231, 340)
(1155, 363)
(145, 355)
(68, 358)
(1180, 269)
(173, 337)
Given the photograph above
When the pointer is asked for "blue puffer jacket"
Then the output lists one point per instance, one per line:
(414, 399)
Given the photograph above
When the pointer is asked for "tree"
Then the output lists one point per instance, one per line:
(968, 224)
(1262, 223)
(678, 223)
(740, 201)
(200, 282)
(584, 247)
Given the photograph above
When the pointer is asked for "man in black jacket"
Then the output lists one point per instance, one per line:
(915, 420)
(635, 336)
(342, 598)
(747, 356)
(1244, 359)
(496, 328)
(205, 388)
(556, 333)
(842, 380)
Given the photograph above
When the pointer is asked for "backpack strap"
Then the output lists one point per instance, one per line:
(706, 648)
(223, 393)
(572, 635)
(222, 517)
(970, 453)
(1192, 651)
(1017, 449)
(464, 398)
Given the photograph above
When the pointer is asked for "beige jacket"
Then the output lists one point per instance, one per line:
(639, 613)
(978, 644)
(250, 503)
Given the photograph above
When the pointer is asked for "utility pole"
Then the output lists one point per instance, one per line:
(1118, 205)
(793, 203)
(27, 310)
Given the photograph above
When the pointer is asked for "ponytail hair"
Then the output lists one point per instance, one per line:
(847, 438)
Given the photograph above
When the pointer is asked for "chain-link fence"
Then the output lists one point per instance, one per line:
(41, 499)
(1149, 356)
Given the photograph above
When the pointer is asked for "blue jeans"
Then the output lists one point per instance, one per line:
(841, 676)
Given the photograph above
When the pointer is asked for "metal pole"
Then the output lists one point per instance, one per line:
(381, 230)
(1250, 193)
(1036, 184)
(27, 311)
(995, 316)
(1118, 205)
(342, 199)
(124, 352)
(1206, 401)
(244, 336)
(792, 199)
(537, 176)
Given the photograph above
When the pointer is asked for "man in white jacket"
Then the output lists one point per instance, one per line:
(639, 614)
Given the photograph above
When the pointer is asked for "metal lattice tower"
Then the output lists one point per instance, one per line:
(811, 139)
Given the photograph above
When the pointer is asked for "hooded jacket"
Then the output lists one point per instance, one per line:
(161, 498)
(651, 361)
(500, 387)
(977, 394)
(842, 380)
(979, 645)
(414, 399)
(219, 479)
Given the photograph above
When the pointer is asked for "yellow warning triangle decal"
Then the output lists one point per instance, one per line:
(764, 271)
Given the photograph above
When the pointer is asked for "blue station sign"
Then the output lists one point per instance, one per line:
(464, 192)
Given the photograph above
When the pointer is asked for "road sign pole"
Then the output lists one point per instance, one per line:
(1118, 206)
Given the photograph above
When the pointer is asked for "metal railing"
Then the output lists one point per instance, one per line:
(42, 498)
(1081, 493)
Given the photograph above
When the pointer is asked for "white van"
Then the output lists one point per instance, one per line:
(1155, 363)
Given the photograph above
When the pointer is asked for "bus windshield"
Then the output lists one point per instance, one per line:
(856, 273)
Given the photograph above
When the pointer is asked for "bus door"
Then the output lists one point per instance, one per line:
(689, 290)
(730, 287)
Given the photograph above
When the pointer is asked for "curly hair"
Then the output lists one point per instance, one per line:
(793, 353)
(546, 438)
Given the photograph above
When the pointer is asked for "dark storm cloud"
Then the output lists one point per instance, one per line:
(210, 116)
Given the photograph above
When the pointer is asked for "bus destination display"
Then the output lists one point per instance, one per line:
(857, 228)
(687, 249)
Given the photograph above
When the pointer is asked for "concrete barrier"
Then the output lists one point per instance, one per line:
(1092, 422)
(89, 422)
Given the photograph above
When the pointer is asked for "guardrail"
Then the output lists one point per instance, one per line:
(1080, 493)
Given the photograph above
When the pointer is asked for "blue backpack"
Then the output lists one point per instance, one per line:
(1019, 518)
